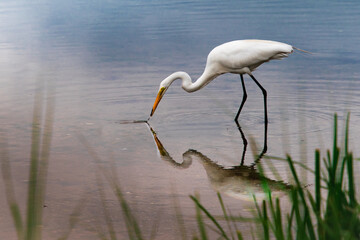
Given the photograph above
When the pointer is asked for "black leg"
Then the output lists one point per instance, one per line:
(265, 112)
(245, 142)
(244, 98)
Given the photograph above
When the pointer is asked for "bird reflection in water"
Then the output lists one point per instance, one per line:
(241, 182)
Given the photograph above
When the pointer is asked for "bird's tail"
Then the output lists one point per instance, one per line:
(303, 50)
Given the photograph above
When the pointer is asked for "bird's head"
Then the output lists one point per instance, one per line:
(162, 90)
(165, 84)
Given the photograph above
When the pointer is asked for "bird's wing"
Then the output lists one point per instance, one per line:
(248, 53)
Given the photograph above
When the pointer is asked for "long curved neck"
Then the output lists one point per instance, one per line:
(187, 83)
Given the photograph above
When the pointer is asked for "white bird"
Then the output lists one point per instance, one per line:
(238, 57)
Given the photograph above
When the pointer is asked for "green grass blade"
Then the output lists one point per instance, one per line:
(225, 214)
(320, 222)
(297, 182)
(265, 221)
(346, 145)
(44, 156)
(74, 217)
(307, 218)
(300, 230)
(278, 224)
(15, 212)
(108, 220)
(289, 224)
(335, 137)
(317, 182)
(350, 171)
(309, 226)
(200, 222)
(32, 203)
(130, 220)
(210, 217)
(327, 161)
(239, 235)
(273, 225)
(9, 187)
(131, 223)
(262, 214)
(349, 161)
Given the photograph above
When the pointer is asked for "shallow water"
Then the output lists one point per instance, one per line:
(91, 66)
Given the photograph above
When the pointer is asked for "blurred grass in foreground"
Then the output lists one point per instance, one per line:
(30, 226)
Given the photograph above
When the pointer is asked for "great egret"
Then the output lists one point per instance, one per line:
(238, 57)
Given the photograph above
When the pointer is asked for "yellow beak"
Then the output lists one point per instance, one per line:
(157, 100)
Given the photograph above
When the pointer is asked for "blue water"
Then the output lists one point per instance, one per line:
(101, 62)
